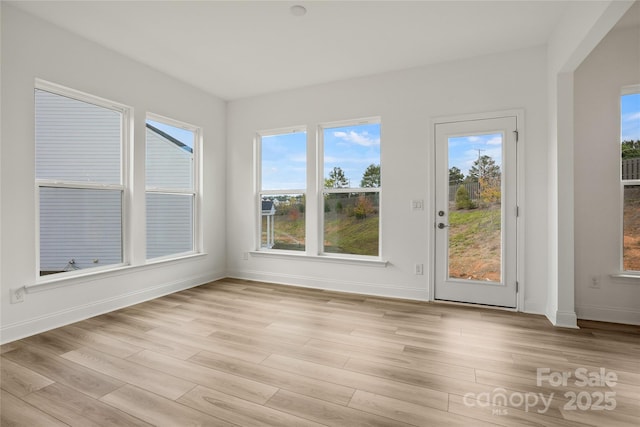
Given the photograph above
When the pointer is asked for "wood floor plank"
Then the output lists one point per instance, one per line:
(237, 352)
(157, 410)
(141, 339)
(277, 378)
(506, 416)
(240, 351)
(327, 413)
(77, 409)
(402, 391)
(240, 411)
(409, 413)
(88, 381)
(18, 413)
(20, 381)
(126, 371)
(234, 385)
(79, 337)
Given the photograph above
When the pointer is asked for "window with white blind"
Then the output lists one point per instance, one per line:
(171, 182)
(79, 153)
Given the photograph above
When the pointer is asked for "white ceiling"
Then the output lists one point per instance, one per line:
(237, 49)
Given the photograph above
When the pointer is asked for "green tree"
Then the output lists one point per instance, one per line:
(336, 179)
(371, 177)
(630, 149)
(455, 176)
(483, 167)
(463, 201)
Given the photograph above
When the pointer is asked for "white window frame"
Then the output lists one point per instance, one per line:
(259, 192)
(195, 192)
(321, 191)
(627, 90)
(124, 187)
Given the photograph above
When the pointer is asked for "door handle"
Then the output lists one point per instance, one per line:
(442, 225)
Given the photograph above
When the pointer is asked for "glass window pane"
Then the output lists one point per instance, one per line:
(169, 224)
(169, 156)
(79, 229)
(631, 228)
(630, 136)
(351, 223)
(76, 140)
(352, 156)
(475, 213)
(282, 222)
(284, 161)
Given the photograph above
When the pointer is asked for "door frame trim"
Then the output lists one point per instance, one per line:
(520, 195)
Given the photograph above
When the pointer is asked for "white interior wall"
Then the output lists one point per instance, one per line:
(613, 64)
(406, 101)
(32, 48)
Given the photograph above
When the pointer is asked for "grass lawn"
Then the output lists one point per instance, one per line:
(474, 244)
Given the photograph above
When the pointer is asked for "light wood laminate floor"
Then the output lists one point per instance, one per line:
(251, 354)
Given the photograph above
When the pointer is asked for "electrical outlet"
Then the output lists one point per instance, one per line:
(17, 295)
(245, 256)
(595, 282)
(419, 270)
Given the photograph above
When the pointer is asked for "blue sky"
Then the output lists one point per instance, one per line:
(630, 112)
(353, 149)
(182, 135)
(284, 160)
(463, 150)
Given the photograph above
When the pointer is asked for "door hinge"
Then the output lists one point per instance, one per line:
(517, 211)
(517, 134)
(517, 286)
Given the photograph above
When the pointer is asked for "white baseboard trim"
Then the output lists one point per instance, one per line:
(372, 289)
(564, 319)
(22, 329)
(608, 314)
(532, 307)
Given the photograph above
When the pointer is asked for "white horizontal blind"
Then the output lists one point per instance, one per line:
(169, 224)
(79, 228)
(76, 141)
(169, 165)
(171, 194)
(78, 156)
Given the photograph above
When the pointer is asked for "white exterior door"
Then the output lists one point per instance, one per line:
(476, 211)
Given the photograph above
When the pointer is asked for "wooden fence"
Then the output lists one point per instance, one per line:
(630, 169)
(473, 188)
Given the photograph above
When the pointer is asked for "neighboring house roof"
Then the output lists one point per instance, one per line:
(268, 208)
(170, 138)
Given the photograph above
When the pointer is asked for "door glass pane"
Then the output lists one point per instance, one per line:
(475, 200)
(79, 229)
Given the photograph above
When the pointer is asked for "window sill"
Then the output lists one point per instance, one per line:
(628, 277)
(373, 262)
(102, 273)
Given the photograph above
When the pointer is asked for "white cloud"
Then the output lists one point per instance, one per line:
(631, 117)
(496, 140)
(473, 138)
(363, 139)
